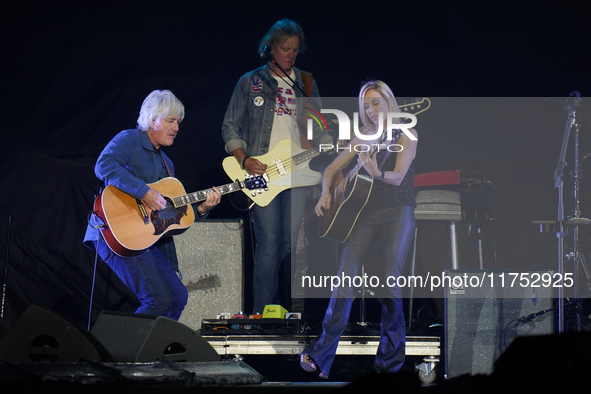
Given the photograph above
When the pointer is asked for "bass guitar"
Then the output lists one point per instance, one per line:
(288, 164)
(287, 167)
(129, 227)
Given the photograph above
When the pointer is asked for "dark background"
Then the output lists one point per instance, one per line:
(75, 74)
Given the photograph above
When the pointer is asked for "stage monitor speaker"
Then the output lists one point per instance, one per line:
(39, 335)
(210, 257)
(481, 320)
(543, 362)
(144, 338)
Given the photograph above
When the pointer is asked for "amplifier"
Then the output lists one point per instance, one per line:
(439, 205)
(210, 257)
(485, 310)
(452, 205)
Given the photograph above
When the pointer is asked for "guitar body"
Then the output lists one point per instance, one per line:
(287, 167)
(126, 231)
(348, 200)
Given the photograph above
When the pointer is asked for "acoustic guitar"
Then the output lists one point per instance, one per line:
(129, 227)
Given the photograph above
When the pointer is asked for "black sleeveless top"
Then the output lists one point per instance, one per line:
(384, 195)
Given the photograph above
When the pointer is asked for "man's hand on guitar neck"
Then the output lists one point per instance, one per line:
(212, 199)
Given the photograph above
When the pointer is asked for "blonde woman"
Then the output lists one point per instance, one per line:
(388, 216)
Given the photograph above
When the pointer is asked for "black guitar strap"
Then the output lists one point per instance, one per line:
(387, 151)
(165, 164)
(308, 86)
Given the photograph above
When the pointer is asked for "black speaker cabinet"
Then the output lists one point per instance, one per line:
(536, 363)
(482, 312)
(210, 257)
(143, 338)
(39, 335)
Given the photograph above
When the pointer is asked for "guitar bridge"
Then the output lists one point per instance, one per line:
(281, 170)
(143, 212)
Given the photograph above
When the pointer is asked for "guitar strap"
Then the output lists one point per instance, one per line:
(387, 151)
(308, 83)
(308, 87)
(165, 164)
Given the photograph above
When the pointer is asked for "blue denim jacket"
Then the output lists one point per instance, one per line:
(249, 126)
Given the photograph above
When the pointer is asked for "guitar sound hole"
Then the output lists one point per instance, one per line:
(168, 212)
(163, 219)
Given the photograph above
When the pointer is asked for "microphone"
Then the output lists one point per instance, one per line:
(266, 54)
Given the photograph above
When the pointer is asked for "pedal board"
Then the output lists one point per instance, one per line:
(250, 326)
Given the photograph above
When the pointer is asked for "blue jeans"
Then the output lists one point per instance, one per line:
(276, 229)
(151, 278)
(395, 228)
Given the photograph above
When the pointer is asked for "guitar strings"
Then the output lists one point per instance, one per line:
(274, 169)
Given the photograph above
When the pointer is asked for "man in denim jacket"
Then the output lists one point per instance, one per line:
(264, 109)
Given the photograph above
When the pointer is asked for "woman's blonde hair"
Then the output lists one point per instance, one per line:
(384, 91)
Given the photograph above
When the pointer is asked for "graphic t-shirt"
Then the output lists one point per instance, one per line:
(285, 121)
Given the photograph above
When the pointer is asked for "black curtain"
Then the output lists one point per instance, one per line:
(75, 74)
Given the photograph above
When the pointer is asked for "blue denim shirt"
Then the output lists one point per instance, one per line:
(249, 126)
(129, 162)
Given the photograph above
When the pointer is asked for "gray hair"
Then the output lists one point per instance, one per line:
(385, 91)
(159, 104)
(280, 32)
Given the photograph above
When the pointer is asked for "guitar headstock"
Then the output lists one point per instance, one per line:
(255, 183)
(415, 106)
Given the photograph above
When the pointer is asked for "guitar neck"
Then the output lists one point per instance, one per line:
(201, 195)
(304, 156)
(353, 173)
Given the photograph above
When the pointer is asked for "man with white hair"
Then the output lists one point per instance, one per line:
(131, 161)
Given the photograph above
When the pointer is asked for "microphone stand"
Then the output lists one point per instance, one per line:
(559, 184)
(5, 278)
(576, 175)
